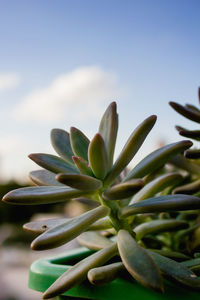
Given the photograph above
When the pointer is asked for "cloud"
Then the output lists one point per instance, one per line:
(78, 94)
(9, 80)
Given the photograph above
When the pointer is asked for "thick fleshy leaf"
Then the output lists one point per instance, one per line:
(189, 188)
(177, 256)
(78, 181)
(41, 195)
(192, 107)
(79, 143)
(138, 262)
(108, 130)
(181, 162)
(93, 240)
(78, 272)
(44, 177)
(101, 224)
(192, 264)
(192, 154)
(157, 159)
(52, 163)
(176, 271)
(193, 134)
(156, 186)
(65, 232)
(61, 142)
(157, 226)
(98, 157)
(123, 190)
(106, 274)
(162, 204)
(187, 112)
(133, 144)
(43, 225)
(82, 165)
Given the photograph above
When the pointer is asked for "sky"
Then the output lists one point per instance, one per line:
(62, 62)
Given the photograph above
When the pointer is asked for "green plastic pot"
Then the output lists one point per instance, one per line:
(44, 272)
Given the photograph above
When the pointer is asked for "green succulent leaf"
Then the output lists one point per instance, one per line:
(78, 181)
(101, 224)
(192, 264)
(82, 166)
(123, 190)
(134, 258)
(192, 154)
(44, 177)
(157, 226)
(52, 163)
(98, 157)
(181, 162)
(188, 189)
(93, 240)
(108, 130)
(156, 186)
(41, 195)
(65, 232)
(79, 143)
(133, 144)
(106, 274)
(177, 256)
(157, 159)
(78, 272)
(162, 204)
(61, 142)
(43, 225)
(187, 112)
(193, 134)
(175, 271)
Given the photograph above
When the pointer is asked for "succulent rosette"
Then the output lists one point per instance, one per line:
(137, 218)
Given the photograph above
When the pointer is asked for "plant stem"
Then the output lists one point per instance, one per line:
(114, 211)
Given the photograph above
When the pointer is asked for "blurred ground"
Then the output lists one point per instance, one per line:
(14, 269)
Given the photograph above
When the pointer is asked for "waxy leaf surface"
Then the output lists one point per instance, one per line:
(44, 177)
(78, 181)
(187, 112)
(133, 144)
(41, 195)
(98, 157)
(61, 142)
(157, 159)
(175, 271)
(108, 130)
(79, 143)
(138, 262)
(65, 232)
(123, 190)
(82, 166)
(78, 272)
(52, 163)
(157, 226)
(93, 240)
(43, 225)
(106, 274)
(155, 186)
(162, 204)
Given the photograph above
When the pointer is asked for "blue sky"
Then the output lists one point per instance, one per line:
(63, 62)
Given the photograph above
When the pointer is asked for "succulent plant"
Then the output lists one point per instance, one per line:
(192, 113)
(137, 219)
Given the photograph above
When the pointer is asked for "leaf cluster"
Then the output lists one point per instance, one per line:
(140, 218)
